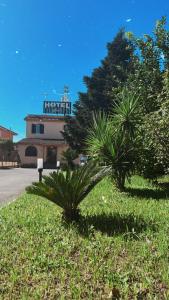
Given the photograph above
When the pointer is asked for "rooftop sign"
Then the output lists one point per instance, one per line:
(57, 107)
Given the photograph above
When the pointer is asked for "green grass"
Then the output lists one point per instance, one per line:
(120, 248)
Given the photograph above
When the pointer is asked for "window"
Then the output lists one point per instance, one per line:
(38, 128)
(31, 151)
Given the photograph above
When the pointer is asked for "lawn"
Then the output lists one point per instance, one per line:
(119, 250)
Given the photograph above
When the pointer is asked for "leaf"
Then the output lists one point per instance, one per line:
(69, 189)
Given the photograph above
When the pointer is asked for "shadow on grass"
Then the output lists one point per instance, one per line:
(114, 224)
(164, 186)
(156, 194)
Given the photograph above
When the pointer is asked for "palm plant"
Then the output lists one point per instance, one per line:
(126, 114)
(112, 140)
(68, 189)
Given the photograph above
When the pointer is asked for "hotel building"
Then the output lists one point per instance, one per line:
(43, 140)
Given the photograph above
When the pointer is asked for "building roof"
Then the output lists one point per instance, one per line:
(36, 141)
(44, 117)
(6, 129)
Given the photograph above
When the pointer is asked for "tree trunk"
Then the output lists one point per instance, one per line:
(71, 215)
(120, 180)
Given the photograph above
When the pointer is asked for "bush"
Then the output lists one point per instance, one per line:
(68, 189)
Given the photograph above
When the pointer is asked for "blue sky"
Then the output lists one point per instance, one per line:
(45, 44)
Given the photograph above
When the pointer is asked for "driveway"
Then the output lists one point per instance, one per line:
(14, 181)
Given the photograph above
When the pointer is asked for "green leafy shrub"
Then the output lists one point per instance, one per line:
(113, 140)
(68, 189)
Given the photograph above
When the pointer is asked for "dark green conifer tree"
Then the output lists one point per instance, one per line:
(113, 72)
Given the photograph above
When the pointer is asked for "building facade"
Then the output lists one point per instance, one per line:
(6, 134)
(43, 140)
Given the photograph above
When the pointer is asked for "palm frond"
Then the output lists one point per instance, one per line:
(68, 189)
(99, 135)
(126, 113)
(111, 140)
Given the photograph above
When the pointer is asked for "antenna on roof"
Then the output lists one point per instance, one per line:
(65, 97)
(61, 107)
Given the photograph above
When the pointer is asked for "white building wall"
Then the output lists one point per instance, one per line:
(41, 153)
(51, 129)
(29, 160)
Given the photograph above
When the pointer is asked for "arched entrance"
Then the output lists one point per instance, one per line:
(51, 157)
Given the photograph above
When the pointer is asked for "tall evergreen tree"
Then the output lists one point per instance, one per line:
(113, 71)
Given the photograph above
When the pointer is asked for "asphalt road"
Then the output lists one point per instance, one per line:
(14, 181)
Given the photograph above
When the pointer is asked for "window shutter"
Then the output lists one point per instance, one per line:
(33, 128)
(41, 128)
